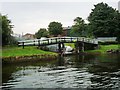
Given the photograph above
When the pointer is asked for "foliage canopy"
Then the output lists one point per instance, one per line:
(42, 32)
(79, 27)
(104, 21)
(6, 29)
(55, 28)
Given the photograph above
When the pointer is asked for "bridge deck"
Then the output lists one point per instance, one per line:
(56, 40)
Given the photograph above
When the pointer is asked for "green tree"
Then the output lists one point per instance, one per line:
(78, 29)
(55, 28)
(118, 29)
(41, 33)
(0, 30)
(6, 30)
(104, 21)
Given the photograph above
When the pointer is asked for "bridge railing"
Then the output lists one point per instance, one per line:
(56, 40)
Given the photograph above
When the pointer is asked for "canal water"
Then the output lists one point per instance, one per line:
(76, 71)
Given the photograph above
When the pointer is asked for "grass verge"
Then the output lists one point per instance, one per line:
(70, 44)
(19, 51)
(104, 48)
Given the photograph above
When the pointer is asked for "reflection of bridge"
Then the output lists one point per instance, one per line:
(57, 40)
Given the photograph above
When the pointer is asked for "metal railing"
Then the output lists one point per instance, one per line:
(56, 40)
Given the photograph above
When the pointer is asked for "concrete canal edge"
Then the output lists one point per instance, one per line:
(30, 58)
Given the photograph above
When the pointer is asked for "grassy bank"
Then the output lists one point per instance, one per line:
(32, 50)
(70, 44)
(27, 51)
(103, 48)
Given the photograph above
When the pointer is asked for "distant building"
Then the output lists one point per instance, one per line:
(66, 31)
(28, 36)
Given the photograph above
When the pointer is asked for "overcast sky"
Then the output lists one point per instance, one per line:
(28, 17)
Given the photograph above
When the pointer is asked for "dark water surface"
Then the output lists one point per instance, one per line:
(78, 71)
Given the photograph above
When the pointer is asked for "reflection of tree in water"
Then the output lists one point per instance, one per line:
(106, 72)
(9, 69)
(61, 61)
(105, 63)
(82, 60)
(105, 69)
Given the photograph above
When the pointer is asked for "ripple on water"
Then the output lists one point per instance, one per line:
(79, 74)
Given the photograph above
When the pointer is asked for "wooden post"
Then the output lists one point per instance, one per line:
(18, 44)
(59, 40)
(23, 44)
(64, 39)
(77, 47)
(56, 40)
(34, 42)
(48, 41)
(77, 39)
(71, 39)
(38, 42)
(51, 41)
(63, 46)
(83, 45)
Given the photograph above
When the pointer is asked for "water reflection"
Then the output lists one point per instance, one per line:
(78, 71)
(61, 61)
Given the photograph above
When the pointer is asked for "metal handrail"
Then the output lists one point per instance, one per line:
(56, 40)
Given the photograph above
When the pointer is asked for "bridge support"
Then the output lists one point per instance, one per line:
(82, 46)
(79, 47)
(61, 47)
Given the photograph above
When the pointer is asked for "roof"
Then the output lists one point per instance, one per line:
(28, 34)
(69, 27)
